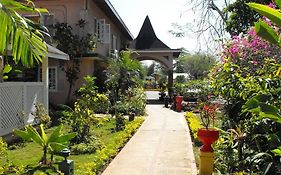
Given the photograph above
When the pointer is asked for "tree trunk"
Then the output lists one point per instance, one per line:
(44, 158)
(69, 93)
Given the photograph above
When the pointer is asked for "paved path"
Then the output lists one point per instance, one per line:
(162, 146)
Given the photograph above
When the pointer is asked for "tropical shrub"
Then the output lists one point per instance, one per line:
(80, 120)
(136, 99)
(82, 117)
(123, 73)
(250, 66)
(133, 102)
(55, 142)
(101, 103)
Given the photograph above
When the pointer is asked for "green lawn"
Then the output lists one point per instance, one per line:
(111, 140)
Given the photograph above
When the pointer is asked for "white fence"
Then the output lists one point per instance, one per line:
(16, 99)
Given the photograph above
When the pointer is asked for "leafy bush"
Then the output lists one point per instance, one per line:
(133, 102)
(101, 104)
(86, 148)
(137, 101)
(80, 120)
(123, 73)
(82, 117)
(250, 67)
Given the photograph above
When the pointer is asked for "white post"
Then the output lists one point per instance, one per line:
(45, 80)
(1, 68)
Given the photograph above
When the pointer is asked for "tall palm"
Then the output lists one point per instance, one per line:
(20, 34)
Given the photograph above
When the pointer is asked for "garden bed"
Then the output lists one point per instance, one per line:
(110, 140)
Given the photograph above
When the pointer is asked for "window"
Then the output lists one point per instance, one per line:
(47, 19)
(53, 78)
(102, 31)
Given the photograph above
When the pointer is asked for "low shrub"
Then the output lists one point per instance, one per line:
(194, 124)
(86, 148)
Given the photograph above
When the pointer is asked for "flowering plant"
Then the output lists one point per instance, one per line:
(208, 114)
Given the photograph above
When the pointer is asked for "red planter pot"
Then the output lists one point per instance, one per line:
(207, 137)
(179, 100)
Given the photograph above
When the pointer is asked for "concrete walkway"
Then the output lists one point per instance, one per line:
(162, 146)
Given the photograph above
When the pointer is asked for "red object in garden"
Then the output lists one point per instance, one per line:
(179, 100)
(207, 137)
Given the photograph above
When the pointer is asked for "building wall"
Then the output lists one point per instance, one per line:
(70, 12)
(59, 96)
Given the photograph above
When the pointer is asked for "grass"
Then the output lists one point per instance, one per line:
(31, 153)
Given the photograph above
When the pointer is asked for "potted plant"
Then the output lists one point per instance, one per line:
(207, 136)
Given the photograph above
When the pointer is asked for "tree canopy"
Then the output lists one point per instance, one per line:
(196, 65)
(241, 17)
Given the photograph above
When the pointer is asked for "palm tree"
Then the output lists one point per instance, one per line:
(19, 34)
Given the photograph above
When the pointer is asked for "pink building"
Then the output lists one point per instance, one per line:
(101, 20)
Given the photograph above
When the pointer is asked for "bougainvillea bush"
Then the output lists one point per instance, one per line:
(249, 66)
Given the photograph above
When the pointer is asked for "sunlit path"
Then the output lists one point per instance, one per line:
(161, 146)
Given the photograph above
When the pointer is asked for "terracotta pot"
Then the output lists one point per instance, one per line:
(179, 100)
(207, 137)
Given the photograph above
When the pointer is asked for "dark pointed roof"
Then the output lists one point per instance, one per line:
(147, 38)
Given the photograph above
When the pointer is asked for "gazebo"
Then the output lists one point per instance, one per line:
(148, 47)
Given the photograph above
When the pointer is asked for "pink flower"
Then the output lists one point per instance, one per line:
(272, 5)
(252, 32)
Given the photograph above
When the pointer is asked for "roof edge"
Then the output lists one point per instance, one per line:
(108, 3)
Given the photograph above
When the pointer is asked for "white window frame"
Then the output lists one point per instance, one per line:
(102, 31)
(56, 77)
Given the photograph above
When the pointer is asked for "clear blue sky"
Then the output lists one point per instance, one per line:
(162, 14)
